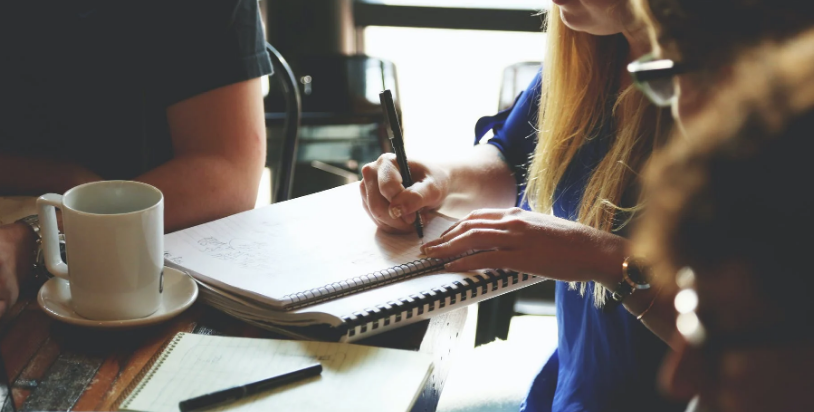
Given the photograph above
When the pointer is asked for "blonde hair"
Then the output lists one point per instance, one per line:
(578, 82)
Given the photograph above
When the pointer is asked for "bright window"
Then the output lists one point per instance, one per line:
(449, 78)
(484, 4)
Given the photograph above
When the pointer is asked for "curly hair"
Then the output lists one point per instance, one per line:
(711, 33)
(738, 188)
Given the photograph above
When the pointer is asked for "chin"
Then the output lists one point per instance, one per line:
(585, 24)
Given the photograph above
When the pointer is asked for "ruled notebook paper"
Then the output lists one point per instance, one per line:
(354, 378)
(274, 252)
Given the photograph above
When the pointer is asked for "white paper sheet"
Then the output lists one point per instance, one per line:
(354, 378)
(295, 246)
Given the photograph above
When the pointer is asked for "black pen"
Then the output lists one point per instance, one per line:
(397, 141)
(213, 399)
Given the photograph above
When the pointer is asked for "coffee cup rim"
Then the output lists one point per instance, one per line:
(81, 212)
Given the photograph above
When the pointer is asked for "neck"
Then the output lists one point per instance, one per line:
(638, 46)
(638, 42)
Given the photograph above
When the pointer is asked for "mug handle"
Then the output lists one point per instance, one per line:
(46, 209)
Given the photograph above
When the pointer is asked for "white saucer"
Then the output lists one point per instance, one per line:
(180, 292)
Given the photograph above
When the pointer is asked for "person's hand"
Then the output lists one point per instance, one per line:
(530, 242)
(17, 246)
(389, 204)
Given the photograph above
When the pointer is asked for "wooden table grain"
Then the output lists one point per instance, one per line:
(53, 366)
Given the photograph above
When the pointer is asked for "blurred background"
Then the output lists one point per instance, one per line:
(448, 63)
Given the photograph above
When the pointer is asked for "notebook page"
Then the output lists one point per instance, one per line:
(354, 378)
(294, 246)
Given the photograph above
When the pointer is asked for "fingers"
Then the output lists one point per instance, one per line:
(421, 195)
(464, 226)
(485, 218)
(387, 202)
(479, 215)
(376, 207)
(479, 239)
(388, 177)
(497, 259)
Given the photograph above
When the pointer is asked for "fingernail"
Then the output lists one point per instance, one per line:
(432, 250)
(395, 212)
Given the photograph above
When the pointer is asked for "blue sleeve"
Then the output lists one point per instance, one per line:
(515, 131)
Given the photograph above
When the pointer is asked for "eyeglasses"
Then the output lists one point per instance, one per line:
(654, 78)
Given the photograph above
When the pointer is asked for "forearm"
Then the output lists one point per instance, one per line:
(200, 188)
(28, 176)
(480, 179)
(655, 302)
(219, 143)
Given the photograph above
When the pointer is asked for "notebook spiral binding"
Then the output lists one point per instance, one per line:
(147, 372)
(416, 305)
(349, 286)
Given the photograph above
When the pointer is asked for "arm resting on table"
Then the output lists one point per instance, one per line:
(219, 143)
(25, 176)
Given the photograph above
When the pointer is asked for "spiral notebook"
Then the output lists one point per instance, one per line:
(319, 260)
(190, 365)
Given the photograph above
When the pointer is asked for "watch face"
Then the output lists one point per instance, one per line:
(637, 272)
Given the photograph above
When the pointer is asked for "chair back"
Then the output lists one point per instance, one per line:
(516, 78)
(293, 113)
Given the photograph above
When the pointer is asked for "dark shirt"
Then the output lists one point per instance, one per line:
(90, 81)
(605, 360)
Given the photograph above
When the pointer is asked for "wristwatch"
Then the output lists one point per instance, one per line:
(33, 221)
(635, 276)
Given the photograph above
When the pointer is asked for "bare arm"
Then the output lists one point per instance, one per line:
(656, 303)
(476, 179)
(545, 245)
(219, 143)
(24, 176)
(480, 180)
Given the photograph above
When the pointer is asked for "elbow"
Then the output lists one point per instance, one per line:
(242, 187)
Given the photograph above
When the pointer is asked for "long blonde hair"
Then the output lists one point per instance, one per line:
(579, 81)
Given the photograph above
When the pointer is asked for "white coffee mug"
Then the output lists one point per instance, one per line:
(114, 241)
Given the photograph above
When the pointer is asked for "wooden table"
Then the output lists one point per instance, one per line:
(59, 367)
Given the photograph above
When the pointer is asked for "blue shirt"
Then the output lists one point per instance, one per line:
(605, 360)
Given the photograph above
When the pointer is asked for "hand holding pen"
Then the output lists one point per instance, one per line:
(397, 141)
(392, 206)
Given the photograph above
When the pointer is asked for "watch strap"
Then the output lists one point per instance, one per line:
(40, 272)
(623, 290)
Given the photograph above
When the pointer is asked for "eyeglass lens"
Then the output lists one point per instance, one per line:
(660, 91)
